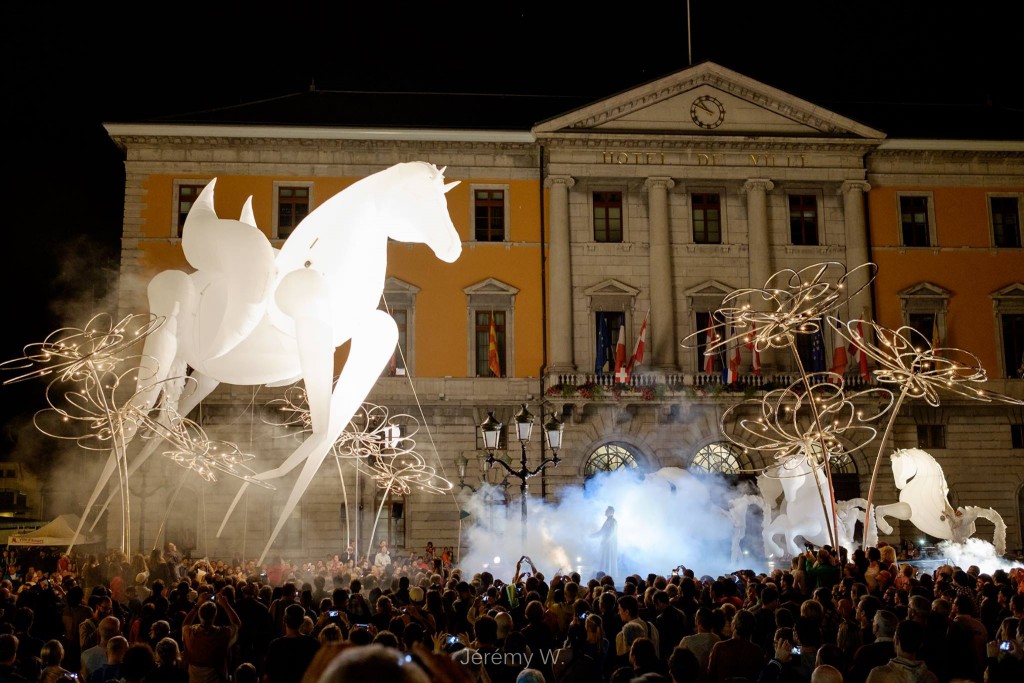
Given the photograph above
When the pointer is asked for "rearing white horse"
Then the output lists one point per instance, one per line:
(924, 500)
(249, 315)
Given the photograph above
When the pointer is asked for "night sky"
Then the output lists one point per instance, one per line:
(66, 71)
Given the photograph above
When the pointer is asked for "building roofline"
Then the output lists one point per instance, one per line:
(911, 144)
(311, 133)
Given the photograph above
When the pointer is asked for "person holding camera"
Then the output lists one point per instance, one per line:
(207, 646)
(821, 567)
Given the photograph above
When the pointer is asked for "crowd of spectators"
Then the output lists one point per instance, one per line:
(822, 619)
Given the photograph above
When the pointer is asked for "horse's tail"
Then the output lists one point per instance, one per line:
(999, 535)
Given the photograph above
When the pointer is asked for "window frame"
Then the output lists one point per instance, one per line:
(506, 211)
(490, 295)
(693, 218)
(594, 218)
(282, 184)
(400, 295)
(1006, 302)
(925, 298)
(1019, 197)
(743, 464)
(176, 228)
(929, 217)
(388, 523)
(931, 437)
(624, 455)
(805, 194)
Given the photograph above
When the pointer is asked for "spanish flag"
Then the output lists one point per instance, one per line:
(492, 350)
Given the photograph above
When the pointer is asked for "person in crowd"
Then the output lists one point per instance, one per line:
(738, 656)
(169, 668)
(51, 656)
(905, 667)
(117, 646)
(289, 655)
(701, 642)
(208, 645)
(8, 660)
(96, 656)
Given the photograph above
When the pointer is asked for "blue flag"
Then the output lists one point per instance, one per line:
(818, 351)
(602, 343)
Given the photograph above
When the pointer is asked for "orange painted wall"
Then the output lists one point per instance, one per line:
(441, 318)
(964, 263)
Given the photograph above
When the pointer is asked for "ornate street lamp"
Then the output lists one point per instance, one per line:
(491, 430)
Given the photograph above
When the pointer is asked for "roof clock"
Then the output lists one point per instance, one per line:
(707, 112)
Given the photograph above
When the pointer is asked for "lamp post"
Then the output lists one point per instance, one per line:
(491, 430)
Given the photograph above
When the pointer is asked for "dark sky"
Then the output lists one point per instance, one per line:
(65, 71)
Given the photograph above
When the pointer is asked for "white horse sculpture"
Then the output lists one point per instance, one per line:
(800, 511)
(252, 315)
(924, 500)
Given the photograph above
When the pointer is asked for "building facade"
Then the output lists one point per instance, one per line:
(645, 209)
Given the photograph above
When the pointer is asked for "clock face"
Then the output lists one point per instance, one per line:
(707, 112)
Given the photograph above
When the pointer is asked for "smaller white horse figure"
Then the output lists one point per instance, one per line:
(800, 511)
(924, 501)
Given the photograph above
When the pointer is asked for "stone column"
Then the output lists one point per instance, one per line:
(559, 311)
(757, 190)
(857, 247)
(661, 325)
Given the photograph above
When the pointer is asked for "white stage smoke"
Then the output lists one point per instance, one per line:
(975, 551)
(665, 519)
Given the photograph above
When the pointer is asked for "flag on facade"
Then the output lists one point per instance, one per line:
(863, 358)
(621, 367)
(603, 343)
(817, 351)
(492, 350)
(839, 358)
(709, 358)
(641, 342)
(936, 342)
(731, 369)
(755, 355)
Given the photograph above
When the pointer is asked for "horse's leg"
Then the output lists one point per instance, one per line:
(898, 510)
(368, 355)
(776, 527)
(204, 387)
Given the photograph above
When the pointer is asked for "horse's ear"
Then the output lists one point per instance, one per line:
(448, 186)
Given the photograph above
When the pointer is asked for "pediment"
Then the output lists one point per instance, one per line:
(1014, 291)
(710, 288)
(490, 286)
(611, 287)
(687, 103)
(924, 289)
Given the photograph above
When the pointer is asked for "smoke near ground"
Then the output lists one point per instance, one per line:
(975, 551)
(665, 519)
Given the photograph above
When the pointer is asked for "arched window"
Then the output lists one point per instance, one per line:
(608, 458)
(720, 457)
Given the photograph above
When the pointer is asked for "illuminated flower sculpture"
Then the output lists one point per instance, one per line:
(906, 360)
(791, 303)
(801, 431)
(88, 366)
(375, 442)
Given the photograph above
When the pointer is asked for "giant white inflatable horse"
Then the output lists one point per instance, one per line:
(793, 499)
(252, 315)
(924, 500)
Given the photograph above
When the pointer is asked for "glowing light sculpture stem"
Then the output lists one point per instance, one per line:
(869, 526)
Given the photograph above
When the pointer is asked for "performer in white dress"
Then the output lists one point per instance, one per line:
(608, 559)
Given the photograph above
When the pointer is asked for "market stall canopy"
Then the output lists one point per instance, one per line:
(58, 532)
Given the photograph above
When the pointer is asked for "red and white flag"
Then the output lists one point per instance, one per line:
(733, 375)
(839, 360)
(641, 342)
(854, 349)
(621, 367)
(709, 356)
(755, 361)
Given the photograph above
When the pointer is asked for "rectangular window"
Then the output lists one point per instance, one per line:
(292, 207)
(1017, 436)
(923, 324)
(607, 216)
(803, 219)
(397, 366)
(489, 215)
(1005, 222)
(483, 334)
(931, 436)
(607, 324)
(1013, 344)
(707, 217)
(187, 195)
(914, 221)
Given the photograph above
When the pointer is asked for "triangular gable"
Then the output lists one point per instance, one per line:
(709, 288)
(611, 287)
(706, 99)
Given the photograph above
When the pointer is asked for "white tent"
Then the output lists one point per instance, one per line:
(59, 532)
